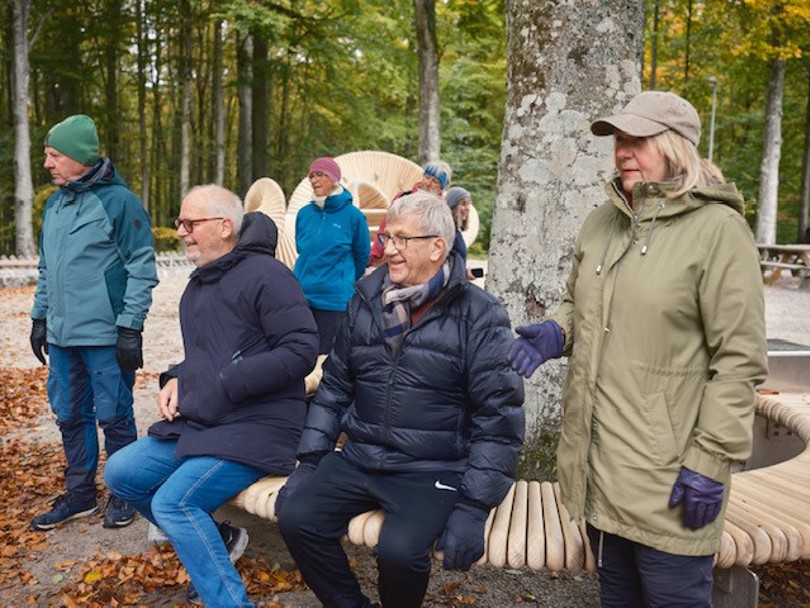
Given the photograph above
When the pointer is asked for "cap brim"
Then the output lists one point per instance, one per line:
(636, 126)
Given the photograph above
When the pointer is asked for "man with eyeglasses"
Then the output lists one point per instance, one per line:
(233, 409)
(333, 241)
(96, 275)
(431, 412)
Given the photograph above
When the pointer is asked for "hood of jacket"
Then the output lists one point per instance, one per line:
(663, 207)
(259, 235)
(103, 173)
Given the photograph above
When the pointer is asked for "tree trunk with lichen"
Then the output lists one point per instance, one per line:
(568, 63)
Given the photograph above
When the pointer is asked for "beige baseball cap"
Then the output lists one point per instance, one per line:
(651, 113)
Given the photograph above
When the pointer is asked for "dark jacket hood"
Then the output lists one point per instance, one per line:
(259, 235)
(103, 173)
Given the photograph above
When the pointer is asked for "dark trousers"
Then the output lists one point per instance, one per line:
(316, 516)
(632, 575)
(328, 322)
(85, 384)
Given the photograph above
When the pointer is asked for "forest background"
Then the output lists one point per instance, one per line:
(296, 80)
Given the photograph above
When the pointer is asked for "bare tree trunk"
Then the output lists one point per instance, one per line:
(429, 109)
(244, 170)
(185, 77)
(140, 15)
(219, 106)
(654, 45)
(804, 210)
(687, 57)
(111, 67)
(23, 186)
(260, 107)
(552, 171)
(771, 154)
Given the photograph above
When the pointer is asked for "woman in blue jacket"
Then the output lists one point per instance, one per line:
(333, 243)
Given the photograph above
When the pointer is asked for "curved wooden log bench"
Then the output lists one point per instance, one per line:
(767, 521)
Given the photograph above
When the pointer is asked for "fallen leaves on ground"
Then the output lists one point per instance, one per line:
(784, 584)
(23, 398)
(128, 580)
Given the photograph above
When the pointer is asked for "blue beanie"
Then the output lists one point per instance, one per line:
(441, 171)
(75, 137)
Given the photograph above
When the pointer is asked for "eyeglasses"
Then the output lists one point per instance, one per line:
(316, 175)
(188, 225)
(401, 242)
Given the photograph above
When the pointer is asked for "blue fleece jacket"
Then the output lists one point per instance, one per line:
(333, 245)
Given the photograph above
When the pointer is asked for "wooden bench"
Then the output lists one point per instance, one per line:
(767, 521)
(776, 258)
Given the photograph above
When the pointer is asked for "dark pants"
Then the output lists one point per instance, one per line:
(632, 575)
(85, 384)
(316, 516)
(328, 322)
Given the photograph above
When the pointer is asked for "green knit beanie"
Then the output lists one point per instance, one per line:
(75, 137)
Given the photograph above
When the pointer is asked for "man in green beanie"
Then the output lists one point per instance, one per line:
(96, 275)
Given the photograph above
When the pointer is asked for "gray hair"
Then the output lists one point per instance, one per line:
(221, 202)
(434, 215)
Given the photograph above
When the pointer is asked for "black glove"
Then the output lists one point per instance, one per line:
(463, 538)
(306, 467)
(39, 339)
(129, 349)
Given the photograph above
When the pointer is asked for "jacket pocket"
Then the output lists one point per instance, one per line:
(235, 382)
(662, 441)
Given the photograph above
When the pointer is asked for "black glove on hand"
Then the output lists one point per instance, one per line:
(129, 349)
(39, 339)
(463, 538)
(702, 498)
(297, 478)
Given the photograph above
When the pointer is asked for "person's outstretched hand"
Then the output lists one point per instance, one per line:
(702, 498)
(537, 344)
(463, 537)
(39, 339)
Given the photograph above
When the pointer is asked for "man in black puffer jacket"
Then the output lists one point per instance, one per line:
(433, 416)
(234, 408)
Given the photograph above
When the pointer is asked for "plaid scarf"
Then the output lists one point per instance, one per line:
(398, 302)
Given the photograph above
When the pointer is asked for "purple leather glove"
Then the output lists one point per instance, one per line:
(463, 538)
(702, 498)
(537, 344)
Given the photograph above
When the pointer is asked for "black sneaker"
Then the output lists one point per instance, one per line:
(236, 541)
(119, 513)
(65, 508)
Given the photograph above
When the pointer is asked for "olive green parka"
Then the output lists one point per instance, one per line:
(664, 324)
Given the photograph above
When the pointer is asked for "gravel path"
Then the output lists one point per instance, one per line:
(787, 317)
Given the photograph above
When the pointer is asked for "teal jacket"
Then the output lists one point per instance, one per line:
(333, 245)
(96, 261)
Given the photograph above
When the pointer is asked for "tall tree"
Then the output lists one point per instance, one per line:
(244, 56)
(185, 99)
(219, 106)
(771, 153)
(140, 15)
(552, 171)
(429, 109)
(804, 205)
(23, 186)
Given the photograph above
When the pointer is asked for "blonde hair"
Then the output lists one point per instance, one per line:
(685, 168)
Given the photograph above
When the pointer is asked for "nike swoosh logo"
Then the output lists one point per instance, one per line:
(440, 486)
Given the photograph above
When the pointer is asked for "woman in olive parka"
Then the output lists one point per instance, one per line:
(663, 321)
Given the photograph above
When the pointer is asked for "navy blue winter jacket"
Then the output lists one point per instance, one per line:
(249, 341)
(447, 401)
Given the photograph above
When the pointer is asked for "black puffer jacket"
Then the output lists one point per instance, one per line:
(447, 401)
(249, 341)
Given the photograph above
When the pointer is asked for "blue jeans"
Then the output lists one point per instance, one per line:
(85, 384)
(179, 495)
(632, 575)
